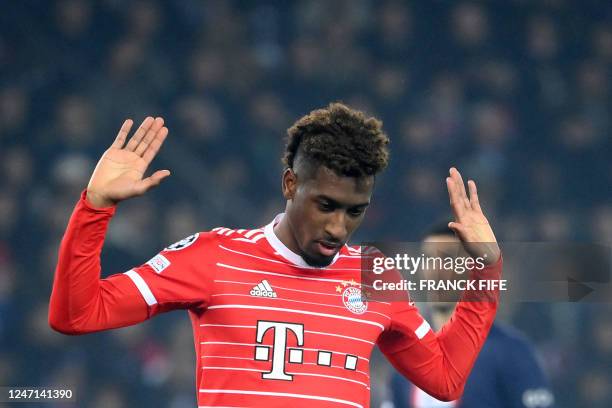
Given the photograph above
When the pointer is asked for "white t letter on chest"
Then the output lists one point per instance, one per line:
(280, 345)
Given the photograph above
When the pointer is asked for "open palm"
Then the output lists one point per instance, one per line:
(119, 174)
(470, 225)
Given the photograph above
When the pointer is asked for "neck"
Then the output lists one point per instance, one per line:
(284, 233)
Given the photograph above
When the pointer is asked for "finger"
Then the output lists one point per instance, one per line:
(152, 181)
(139, 134)
(459, 182)
(455, 199)
(155, 145)
(122, 135)
(458, 229)
(149, 136)
(461, 186)
(474, 201)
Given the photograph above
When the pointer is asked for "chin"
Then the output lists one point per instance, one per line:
(318, 260)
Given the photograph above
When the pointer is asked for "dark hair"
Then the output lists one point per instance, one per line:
(340, 138)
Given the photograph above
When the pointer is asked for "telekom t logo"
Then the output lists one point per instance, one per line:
(279, 348)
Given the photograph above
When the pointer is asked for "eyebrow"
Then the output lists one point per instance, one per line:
(339, 204)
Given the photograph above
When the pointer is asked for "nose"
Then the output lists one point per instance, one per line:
(336, 226)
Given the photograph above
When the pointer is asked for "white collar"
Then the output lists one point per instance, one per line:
(286, 252)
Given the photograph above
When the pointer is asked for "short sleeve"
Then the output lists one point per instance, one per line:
(180, 276)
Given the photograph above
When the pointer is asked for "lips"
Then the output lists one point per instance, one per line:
(328, 248)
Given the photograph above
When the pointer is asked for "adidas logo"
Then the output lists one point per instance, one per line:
(263, 289)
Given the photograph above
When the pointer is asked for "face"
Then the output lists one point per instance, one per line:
(442, 246)
(323, 211)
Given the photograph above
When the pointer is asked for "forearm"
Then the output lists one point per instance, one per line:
(440, 363)
(80, 301)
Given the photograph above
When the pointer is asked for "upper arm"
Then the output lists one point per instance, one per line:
(179, 277)
(115, 303)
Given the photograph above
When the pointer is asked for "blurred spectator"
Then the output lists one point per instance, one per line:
(542, 41)
(602, 42)
(75, 121)
(14, 103)
(470, 25)
(395, 27)
(17, 168)
(73, 17)
(554, 225)
(200, 119)
(601, 225)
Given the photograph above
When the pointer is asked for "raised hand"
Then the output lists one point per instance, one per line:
(119, 174)
(470, 225)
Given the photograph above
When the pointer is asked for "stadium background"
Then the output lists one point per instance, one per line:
(515, 93)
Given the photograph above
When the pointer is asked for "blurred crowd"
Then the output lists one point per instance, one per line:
(515, 93)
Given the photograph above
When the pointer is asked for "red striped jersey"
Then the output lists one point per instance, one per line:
(269, 329)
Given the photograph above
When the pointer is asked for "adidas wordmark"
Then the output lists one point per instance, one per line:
(263, 289)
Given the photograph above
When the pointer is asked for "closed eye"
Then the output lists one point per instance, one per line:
(356, 212)
(326, 207)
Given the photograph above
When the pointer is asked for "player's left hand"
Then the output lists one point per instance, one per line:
(470, 225)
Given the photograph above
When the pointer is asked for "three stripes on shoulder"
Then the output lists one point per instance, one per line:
(250, 236)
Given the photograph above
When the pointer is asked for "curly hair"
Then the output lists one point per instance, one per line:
(339, 138)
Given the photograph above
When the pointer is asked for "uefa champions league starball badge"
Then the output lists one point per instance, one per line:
(354, 300)
(183, 243)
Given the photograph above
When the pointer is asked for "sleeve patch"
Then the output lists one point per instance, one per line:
(158, 263)
(183, 243)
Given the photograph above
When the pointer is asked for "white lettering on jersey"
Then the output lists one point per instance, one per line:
(263, 289)
(280, 346)
(538, 398)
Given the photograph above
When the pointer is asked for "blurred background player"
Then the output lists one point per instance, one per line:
(506, 373)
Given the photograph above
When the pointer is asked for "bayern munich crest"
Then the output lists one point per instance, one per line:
(354, 301)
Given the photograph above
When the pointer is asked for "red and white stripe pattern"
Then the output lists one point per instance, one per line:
(299, 345)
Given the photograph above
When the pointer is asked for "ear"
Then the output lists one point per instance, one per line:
(289, 183)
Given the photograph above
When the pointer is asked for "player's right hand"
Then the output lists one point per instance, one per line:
(119, 174)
